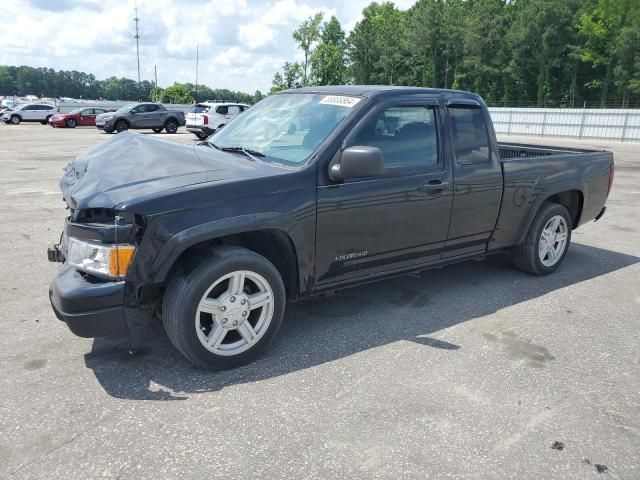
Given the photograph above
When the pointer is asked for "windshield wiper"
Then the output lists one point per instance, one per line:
(247, 151)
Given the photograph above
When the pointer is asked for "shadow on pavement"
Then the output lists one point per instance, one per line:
(327, 329)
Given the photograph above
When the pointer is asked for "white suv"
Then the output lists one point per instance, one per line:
(207, 117)
(28, 112)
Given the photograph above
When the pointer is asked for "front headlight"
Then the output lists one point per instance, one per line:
(102, 259)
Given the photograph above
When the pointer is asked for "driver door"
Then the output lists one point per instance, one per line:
(400, 219)
(87, 117)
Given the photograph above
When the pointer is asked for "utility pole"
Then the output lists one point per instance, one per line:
(155, 72)
(196, 74)
(137, 37)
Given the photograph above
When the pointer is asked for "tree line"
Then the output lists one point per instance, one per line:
(512, 52)
(47, 82)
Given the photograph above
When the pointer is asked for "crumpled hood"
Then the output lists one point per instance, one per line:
(133, 165)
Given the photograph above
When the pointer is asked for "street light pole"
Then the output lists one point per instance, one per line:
(137, 37)
(196, 74)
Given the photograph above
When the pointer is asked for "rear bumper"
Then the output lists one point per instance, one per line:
(199, 129)
(89, 309)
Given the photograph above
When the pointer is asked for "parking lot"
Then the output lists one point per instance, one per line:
(472, 371)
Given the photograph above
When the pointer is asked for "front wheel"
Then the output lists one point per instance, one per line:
(547, 241)
(224, 313)
(121, 126)
(15, 120)
(171, 126)
(71, 123)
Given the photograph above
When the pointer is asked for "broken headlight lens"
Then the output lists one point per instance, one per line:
(102, 259)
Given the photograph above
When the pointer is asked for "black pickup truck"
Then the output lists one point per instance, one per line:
(355, 184)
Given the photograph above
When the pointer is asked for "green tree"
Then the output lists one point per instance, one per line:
(176, 93)
(305, 36)
(278, 83)
(378, 46)
(328, 58)
(611, 32)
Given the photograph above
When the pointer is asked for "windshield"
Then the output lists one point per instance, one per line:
(286, 128)
(126, 108)
(76, 111)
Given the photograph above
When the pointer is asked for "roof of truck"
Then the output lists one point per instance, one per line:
(371, 90)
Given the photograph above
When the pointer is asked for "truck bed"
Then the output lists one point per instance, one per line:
(528, 181)
(521, 150)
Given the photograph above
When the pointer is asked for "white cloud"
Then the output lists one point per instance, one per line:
(242, 43)
(256, 34)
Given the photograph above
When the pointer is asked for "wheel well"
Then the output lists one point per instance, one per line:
(274, 245)
(171, 118)
(572, 200)
(121, 120)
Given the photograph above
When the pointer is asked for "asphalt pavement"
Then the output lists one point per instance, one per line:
(470, 372)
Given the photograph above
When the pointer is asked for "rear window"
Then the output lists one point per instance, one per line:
(222, 109)
(199, 109)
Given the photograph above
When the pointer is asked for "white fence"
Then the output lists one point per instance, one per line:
(590, 123)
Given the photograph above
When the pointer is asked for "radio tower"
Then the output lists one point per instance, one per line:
(137, 37)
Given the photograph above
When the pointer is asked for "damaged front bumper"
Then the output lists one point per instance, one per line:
(90, 309)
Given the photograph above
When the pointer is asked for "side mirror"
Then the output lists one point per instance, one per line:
(358, 162)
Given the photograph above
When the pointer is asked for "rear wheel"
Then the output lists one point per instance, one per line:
(71, 123)
(121, 126)
(156, 130)
(225, 312)
(201, 135)
(547, 241)
(15, 119)
(171, 126)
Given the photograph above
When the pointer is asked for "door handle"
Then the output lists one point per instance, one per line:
(434, 187)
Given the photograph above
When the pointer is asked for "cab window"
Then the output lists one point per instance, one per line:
(222, 110)
(470, 136)
(233, 110)
(407, 136)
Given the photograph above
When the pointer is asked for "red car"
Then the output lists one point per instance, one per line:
(80, 117)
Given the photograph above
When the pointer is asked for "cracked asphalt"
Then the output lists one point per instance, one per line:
(469, 372)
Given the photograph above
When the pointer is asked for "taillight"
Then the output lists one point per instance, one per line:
(611, 173)
(205, 120)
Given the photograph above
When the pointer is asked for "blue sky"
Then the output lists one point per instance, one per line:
(242, 43)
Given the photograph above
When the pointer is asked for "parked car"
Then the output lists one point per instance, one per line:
(80, 117)
(28, 112)
(383, 181)
(205, 118)
(140, 116)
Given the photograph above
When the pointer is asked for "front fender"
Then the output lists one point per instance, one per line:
(185, 239)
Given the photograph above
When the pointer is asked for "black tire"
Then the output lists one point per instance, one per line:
(184, 293)
(15, 120)
(201, 135)
(121, 126)
(46, 120)
(156, 130)
(525, 256)
(71, 123)
(171, 125)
